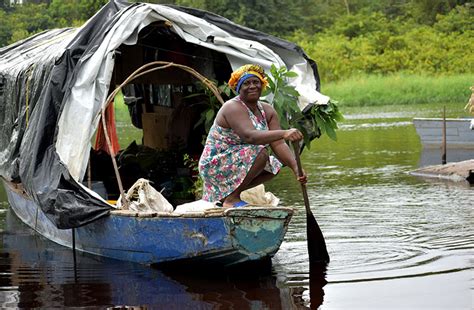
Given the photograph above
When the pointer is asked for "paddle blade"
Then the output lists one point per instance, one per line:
(317, 250)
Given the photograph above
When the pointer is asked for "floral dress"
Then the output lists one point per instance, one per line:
(226, 159)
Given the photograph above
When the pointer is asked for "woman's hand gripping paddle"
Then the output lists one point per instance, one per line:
(317, 250)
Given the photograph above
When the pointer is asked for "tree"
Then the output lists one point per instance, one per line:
(5, 28)
(425, 11)
(68, 13)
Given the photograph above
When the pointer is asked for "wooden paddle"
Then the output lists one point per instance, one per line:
(317, 250)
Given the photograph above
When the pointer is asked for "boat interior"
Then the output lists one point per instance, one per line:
(159, 123)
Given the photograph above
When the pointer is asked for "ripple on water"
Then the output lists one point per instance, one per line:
(351, 127)
(380, 232)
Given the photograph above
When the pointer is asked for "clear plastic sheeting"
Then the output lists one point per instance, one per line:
(142, 197)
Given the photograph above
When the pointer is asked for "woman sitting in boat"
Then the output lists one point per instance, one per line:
(235, 157)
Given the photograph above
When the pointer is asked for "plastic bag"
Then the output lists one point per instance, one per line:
(258, 197)
(142, 197)
(194, 206)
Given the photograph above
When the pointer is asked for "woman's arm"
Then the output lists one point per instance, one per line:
(280, 148)
(235, 116)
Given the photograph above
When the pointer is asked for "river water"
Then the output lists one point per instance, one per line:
(395, 241)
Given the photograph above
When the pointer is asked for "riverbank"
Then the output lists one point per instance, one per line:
(460, 171)
(400, 89)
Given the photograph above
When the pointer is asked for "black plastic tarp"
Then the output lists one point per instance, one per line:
(28, 152)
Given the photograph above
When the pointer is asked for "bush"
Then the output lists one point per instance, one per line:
(369, 43)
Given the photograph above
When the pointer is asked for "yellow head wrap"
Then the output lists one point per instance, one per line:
(244, 72)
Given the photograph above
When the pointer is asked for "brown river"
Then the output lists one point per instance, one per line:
(396, 241)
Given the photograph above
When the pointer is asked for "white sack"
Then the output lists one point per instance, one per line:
(194, 206)
(257, 196)
(142, 197)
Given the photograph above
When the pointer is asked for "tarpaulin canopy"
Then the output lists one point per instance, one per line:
(53, 86)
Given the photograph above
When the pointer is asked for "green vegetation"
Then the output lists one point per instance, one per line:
(400, 89)
(320, 120)
(368, 52)
(22, 21)
(193, 165)
(371, 43)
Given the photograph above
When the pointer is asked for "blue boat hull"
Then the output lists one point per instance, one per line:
(226, 237)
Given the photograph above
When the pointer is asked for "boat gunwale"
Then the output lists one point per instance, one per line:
(214, 212)
(209, 213)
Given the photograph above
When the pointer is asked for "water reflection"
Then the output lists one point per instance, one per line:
(317, 281)
(37, 273)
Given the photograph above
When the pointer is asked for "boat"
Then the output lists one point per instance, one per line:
(220, 237)
(56, 272)
(459, 132)
(58, 90)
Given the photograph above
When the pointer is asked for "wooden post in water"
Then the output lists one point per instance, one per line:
(443, 145)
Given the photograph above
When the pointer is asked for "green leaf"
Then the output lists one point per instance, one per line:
(291, 91)
(271, 84)
(323, 118)
(331, 133)
(201, 120)
(209, 118)
(273, 70)
(290, 74)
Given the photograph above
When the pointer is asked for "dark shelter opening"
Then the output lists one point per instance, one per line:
(166, 105)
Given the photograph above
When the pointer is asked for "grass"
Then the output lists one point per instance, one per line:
(121, 113)
(400, 89)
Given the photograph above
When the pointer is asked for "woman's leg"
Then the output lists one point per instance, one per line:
(255, 176)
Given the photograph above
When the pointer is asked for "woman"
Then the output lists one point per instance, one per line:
(235, 157)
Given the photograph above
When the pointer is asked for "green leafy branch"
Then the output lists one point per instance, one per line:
(212, 106)
(314, 121)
